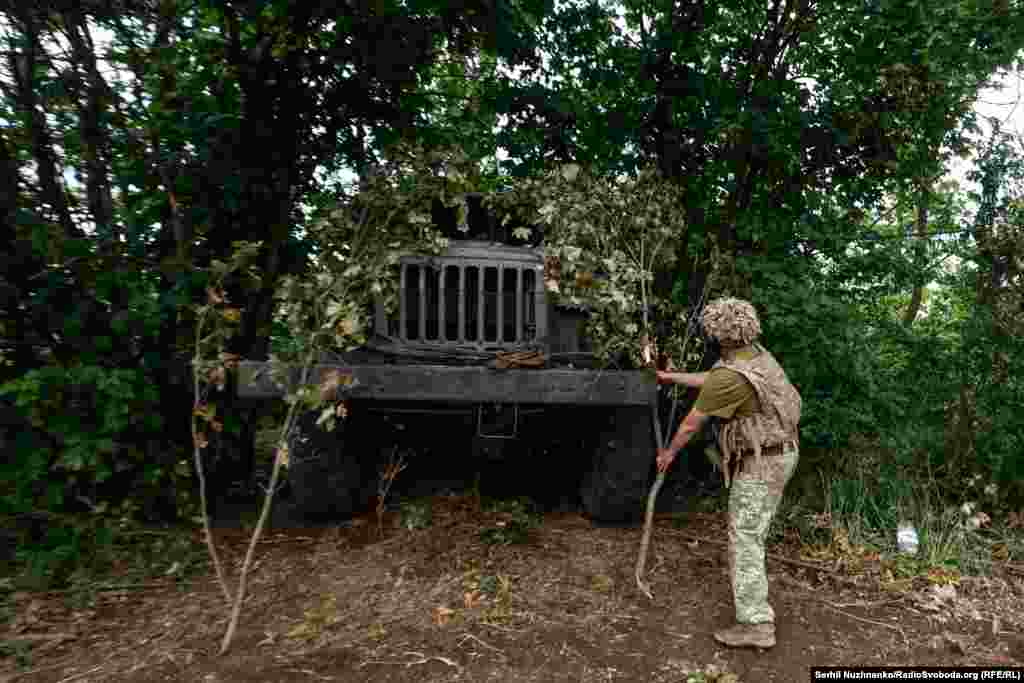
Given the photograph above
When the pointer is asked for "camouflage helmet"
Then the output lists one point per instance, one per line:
(731, 321)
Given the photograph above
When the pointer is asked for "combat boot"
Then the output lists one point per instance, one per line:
(748, 635)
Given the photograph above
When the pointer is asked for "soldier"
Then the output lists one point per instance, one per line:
(758, 445)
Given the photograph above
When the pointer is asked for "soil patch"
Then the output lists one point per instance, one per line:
(346, 604)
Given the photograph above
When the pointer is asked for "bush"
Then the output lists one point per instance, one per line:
(86, 451)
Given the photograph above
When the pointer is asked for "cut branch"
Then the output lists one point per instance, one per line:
(660, 439)
(268, 499)
(652, 496)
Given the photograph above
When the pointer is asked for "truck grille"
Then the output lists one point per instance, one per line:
(456, 302)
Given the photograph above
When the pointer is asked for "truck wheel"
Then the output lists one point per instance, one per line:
(325, 477)
(614, 491)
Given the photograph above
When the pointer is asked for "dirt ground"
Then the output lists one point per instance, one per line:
(439, 604)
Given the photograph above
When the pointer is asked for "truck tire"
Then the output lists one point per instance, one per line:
(614, 490)
(325, 477)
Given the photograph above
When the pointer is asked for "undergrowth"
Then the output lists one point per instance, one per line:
(509, 522)
(861, 500)
(77, 555)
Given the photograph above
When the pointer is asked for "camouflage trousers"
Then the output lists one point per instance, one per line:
(753, 499)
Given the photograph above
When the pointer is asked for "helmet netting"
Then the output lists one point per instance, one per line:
(733, 322)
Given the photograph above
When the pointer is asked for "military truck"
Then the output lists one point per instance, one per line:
(478, 360)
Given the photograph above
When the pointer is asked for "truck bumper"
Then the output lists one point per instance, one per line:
(442, 383)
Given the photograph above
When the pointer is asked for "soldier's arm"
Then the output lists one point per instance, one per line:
(690, 379)
(691, 425)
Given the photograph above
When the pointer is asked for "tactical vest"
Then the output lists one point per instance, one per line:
(779, 419)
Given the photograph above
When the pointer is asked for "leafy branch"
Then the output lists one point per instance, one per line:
(358, 244)
(604, 240)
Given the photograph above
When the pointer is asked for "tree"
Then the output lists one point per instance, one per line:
(183, 128)
(766, 114)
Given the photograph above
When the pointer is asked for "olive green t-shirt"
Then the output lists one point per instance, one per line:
(727, 394)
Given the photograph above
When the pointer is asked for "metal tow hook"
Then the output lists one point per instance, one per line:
(495, 418)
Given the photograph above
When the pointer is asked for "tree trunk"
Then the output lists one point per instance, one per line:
(23, 65)
(95, 136)
(920, 253)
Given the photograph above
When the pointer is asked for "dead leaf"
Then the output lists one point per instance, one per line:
(943, 576)
(817, 552)
(300, 631)
(977, 521)
(1000, 552)
(647, 350)
(329, 384)
(552, 268)
(218, 377)
(897, 585)
(230, 360)
(1015, 520)
(841, 541)
(347, 327)
(602, 583)
(442, 615)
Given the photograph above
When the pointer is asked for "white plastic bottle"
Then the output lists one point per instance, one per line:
(906, 538)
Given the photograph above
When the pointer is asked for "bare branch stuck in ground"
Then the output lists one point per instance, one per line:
(236, 608)
(280, 457)
(387, 478)
(198, 442)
